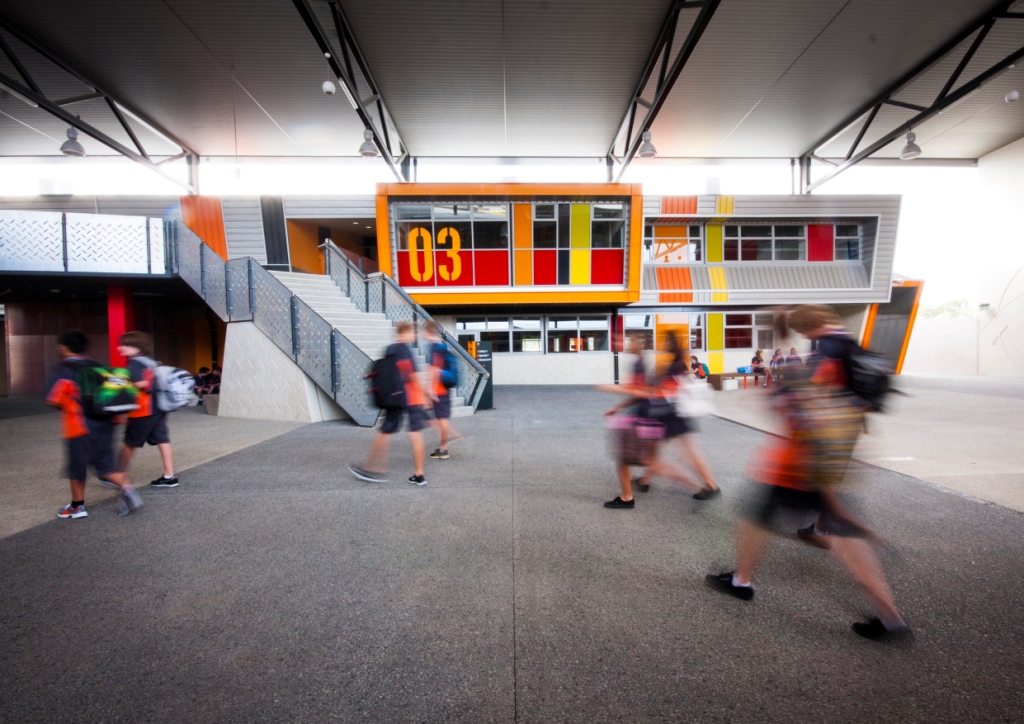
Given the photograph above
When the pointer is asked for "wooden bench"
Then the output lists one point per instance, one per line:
(715, 378)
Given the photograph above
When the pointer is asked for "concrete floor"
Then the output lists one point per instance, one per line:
(960, 432)
(273, 587)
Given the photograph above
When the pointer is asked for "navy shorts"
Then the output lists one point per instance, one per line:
(151, 429)
(676, 426)
(443, 407)
(95, 449)
(393, 419)
(771, 501)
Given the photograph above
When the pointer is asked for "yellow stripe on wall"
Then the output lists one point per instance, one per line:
(713, 232)
(580, 225)
(725, 205)
(579, 265)
(716, 362)
(716, 331)
(718, 281)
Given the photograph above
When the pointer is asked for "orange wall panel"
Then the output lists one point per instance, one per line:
(303, 246)
(679, 204)
(203, 214)
(523, 268)
(522, 229)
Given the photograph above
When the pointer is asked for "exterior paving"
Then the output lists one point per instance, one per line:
(272, 587)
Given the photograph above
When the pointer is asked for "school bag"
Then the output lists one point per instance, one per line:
(450, 371)
(104, 392)
(868, 375)
(172, 387)
(386, 384)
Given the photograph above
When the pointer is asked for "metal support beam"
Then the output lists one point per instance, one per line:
(346, 77)
(946, 98)
(30, 91)
(667, 77)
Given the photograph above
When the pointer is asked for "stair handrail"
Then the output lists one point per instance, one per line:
(332, 253)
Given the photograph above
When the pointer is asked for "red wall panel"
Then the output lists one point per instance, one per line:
(545, 267)
(405, 277)
(457, 277)
(820, 246)
(491, 268)
(606, 266)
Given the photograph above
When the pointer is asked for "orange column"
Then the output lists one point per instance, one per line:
(522, 242)
(203, 214)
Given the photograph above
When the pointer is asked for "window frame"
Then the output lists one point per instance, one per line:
(836, 239)
(772, 238)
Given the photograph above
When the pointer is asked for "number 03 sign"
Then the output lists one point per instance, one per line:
(421, 255)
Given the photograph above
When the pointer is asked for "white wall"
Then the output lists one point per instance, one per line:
(593, 368)
(943, 346)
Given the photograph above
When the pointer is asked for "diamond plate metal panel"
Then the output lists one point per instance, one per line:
(273, 308)
(353, 392)
(187, 255)
(31, 241)
(107, 244)
(238, 290)
(396, 306)
(157, 247)
(314, 357)
(215, 281)
(375, 303)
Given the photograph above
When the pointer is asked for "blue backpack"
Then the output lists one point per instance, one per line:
(450, 371)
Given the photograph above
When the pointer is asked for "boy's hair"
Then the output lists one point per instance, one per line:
(139, 340)
(403, 327)
(203, 370)
(75, 340)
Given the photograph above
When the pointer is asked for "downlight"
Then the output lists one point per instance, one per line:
(72, 147)
(911, 150)
(647, 149)
(368, 150)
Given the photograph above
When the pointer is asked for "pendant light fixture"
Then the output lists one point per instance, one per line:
(911, 150)
(72, 147)
(647, 149)
(368, 149)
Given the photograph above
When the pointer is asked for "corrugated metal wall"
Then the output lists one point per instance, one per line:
(243, 228)
(329, 207)
(162, 206)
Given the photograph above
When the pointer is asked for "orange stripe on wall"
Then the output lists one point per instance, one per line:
(679, 204)
(204, 216)
(304, 247)
(674, 278)
(523, 267)
(676, 297)
(522, 226)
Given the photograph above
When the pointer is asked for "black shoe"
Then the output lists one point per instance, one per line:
(418, 480)
(641, 485)
(619, 503)
(723, 582)
(439, 454)
(367, 475)
(875, 630)
(707, 493)
(162, 482)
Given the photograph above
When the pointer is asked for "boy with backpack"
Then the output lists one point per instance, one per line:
(147, 423)
(396, 369)
(444, 375)
(87, 426)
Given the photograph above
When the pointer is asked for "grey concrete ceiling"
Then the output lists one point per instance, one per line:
(508, 78)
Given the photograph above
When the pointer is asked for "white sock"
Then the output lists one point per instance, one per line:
(168, 477)
(736, 582)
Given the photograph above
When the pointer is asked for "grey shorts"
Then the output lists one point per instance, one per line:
(151, 429)
(393, 419)
(95, 449)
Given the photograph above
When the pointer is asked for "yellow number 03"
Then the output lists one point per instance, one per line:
(443, 237)
(415, 237)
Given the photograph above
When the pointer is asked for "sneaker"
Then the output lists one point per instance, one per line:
(439, 454)
(121, 506)
(812, 537)
(162, 482)
(72, 511)
(722, 582)
(109, 484)
(707, 493)
(131, 498)
(417, 480)
(640, 485)
(620, 503)
(875, 630)
(367, 475)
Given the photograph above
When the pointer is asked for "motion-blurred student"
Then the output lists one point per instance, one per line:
(90, 440)
(439, 392)
(793, 358)
(802, 475)
(374, 467)
(146, 425)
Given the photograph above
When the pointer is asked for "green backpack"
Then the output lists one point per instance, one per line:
(105, 391)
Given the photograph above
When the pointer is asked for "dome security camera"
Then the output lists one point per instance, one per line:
(329, 88)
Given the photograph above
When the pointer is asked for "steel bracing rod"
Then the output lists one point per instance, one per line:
(978, 40)
(950, 100)
(72, 120)
(320, 37)
(707, 10)
(999, 10)
(127, 129)
(16, 62)
(82, 78)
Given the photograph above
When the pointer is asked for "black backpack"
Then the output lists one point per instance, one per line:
(867, 374)
(386, 383)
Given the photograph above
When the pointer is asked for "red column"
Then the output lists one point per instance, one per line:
(120, 319)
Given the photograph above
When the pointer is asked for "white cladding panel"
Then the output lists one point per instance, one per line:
(243, 228)
(330, 207)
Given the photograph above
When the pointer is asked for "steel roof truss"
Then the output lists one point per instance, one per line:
(31, 92)
(945, 99)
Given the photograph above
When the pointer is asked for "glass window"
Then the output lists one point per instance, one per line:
(544, 211)
(755, 249)
(607, 211)
(526, 335)
(754, 232)
(732, 232)
(739, 333)
(696, 331)
(606, 234)
(496, 334)
(562, 334)
(593, 334)
(545, 234)
(406, 227)
(471, 324)
(563, 226)
(764, 320)
(790, 249)
(412, 211)
(848, 230)
(731, 251)
(451, 212)
(766, 342)
(847, 241)
(790, 231)
(490, 235)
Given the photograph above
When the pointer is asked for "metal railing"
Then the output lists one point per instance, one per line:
(378, 293)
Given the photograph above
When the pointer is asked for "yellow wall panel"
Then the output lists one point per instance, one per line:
(713, 232)
(579, 265)
(725, 204)
(716, 331)
(580, 225)
(523, 268)
(716, 362)
(522, 226)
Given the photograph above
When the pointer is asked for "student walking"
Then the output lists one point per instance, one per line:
(89, 434)
(374, 467)
(803, 474)
(442, 379)
(146, 424)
